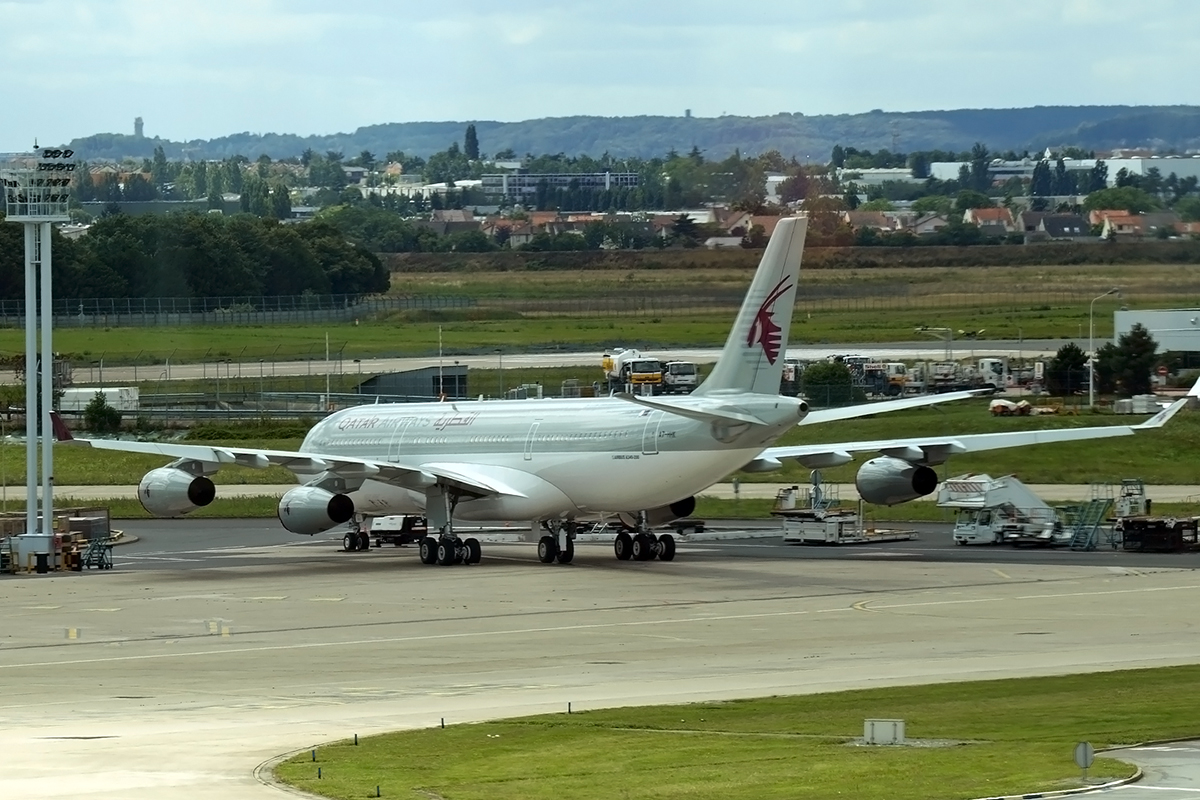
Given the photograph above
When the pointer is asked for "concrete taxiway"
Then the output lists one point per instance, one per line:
(211, 649)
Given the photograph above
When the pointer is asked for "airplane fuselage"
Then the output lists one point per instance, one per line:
(560, 457)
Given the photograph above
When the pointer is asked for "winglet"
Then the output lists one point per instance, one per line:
(1160, 419)
(1195, 390)
(61, 432)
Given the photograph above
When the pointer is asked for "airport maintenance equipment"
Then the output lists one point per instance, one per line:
(995, 510)
(834, 526)
(1155, 534)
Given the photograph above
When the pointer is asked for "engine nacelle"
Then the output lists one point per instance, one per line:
(169, 492)
(661, 515)
(890, 481)
(311, 509)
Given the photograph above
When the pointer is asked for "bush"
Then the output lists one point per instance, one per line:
(100, 417)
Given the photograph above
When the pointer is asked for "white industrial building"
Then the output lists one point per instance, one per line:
(1176, 329)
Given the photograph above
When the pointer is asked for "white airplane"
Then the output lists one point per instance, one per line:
(558, 461)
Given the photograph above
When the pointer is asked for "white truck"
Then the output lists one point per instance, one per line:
(999, 510)
(679, 377)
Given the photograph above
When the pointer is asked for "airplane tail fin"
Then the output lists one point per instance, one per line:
(752, 360)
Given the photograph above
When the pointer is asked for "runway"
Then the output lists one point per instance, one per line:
(215, 646)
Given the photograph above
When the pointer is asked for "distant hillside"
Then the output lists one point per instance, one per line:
(1092, 127)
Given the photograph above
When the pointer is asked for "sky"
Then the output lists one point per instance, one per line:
(206, 68)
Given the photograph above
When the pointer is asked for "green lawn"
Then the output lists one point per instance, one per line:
(1002, 737)
(246, 345)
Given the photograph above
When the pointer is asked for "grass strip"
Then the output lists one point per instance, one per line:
(1002, 737)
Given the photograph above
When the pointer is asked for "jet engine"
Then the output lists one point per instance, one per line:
(888, 481)
(661, 515)
(169, 491)
(311, 509)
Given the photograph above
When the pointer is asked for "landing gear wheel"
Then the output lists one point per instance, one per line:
(623, 546)
(446, 552)
(666, 547)
(350, 542)
(566, 554)
(364, 540)
(428, 550)
(473, 552)
(643, 547)
(547, 549)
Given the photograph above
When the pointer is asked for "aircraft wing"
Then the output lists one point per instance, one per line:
(885, 406)
(415, 476)
(936, 449)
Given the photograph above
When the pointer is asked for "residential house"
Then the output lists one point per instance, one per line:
(1098, 215)
(1044, 226)
(1188, 228)
(767, 222)
(354, 175)
(1155, 221)
(1122, 226)
(876, 220)
(928, 224)
(1137, 226)
(990, 218)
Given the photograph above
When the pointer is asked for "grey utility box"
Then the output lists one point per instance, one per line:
(883, 731)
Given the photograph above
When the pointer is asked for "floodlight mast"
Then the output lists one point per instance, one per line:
(37, 188)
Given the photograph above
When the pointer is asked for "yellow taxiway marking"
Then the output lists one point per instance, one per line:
(41, 608)
(326, 599)
(1003, 574)
(272, 597)
(861, 605)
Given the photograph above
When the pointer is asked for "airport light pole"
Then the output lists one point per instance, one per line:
(500, 357)
(1091, 359)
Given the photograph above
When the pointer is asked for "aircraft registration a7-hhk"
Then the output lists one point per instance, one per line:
(558, 461)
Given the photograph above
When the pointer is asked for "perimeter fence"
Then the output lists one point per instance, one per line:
(306, 309)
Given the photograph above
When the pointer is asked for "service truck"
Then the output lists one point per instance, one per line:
(679, 377)
(631, 370)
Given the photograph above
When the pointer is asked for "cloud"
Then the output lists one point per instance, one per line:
(196, 68)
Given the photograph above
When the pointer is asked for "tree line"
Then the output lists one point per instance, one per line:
(197, 255)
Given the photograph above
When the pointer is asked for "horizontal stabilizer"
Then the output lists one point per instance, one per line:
(705, 412)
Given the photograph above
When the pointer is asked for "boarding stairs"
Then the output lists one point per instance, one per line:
(98, 554)
(1084, 527)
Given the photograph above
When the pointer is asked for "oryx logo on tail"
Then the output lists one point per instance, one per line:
(763, 330)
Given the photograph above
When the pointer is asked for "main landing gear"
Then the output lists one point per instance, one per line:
(644, 546)
(557, 545)
(447, 550)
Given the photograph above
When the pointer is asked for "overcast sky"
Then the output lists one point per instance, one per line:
(205, 68)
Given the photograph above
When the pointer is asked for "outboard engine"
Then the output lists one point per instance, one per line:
(661, 515)
(311, 509)
(170, 491)
(888, 481)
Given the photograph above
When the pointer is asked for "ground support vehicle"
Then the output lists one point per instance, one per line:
(628, 370)
(999, 510)
(1155, 534)
(834, 526)
(679, 377)
(395, 530)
